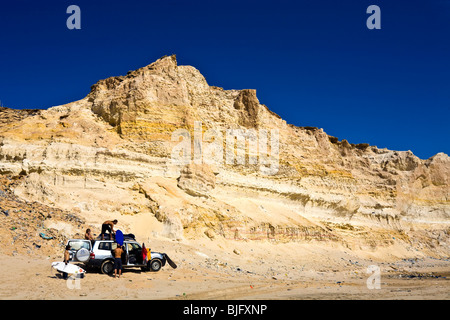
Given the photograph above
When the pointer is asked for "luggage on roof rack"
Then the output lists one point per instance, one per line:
(107, 236)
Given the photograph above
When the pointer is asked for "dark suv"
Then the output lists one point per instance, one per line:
(98, 254)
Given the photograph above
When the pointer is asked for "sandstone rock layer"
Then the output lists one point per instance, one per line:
(109, 155)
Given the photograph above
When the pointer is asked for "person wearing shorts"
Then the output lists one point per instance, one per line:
(108, 226)
(118, 260)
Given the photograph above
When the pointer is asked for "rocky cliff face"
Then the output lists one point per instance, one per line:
(111, 154)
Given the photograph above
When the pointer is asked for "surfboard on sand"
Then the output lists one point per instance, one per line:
(67, 268)
(119, 237)
(170, 262)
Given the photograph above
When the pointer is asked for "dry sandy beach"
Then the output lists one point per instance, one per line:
(235, 271)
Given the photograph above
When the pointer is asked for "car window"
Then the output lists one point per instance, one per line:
(133, 246)
(77, 245)
(104, 246)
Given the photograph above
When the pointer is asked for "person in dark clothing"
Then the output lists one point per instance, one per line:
(66, 260)
(108, 226)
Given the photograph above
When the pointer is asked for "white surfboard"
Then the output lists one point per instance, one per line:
(67, 268)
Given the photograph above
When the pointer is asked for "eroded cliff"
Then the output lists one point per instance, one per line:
(111, 155)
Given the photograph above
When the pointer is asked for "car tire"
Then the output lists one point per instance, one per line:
(154, 265)
(107, 267)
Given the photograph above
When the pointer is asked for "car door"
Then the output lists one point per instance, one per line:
(134, 253)
(104, 249)
(80, 250)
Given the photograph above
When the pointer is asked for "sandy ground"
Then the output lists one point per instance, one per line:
(235, 270)
(207, 269)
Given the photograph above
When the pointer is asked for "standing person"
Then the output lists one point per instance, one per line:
(118, 260)
(108, 226)
(66, 260)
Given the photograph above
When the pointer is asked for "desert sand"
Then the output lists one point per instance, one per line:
(234, 271)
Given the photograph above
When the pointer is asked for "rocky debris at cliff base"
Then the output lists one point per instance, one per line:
(24, 230)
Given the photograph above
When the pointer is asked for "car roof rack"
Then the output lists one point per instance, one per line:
(128, 236)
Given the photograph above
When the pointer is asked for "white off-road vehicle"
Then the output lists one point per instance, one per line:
(98, 254)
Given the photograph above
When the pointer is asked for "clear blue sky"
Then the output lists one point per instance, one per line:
(314, 63)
